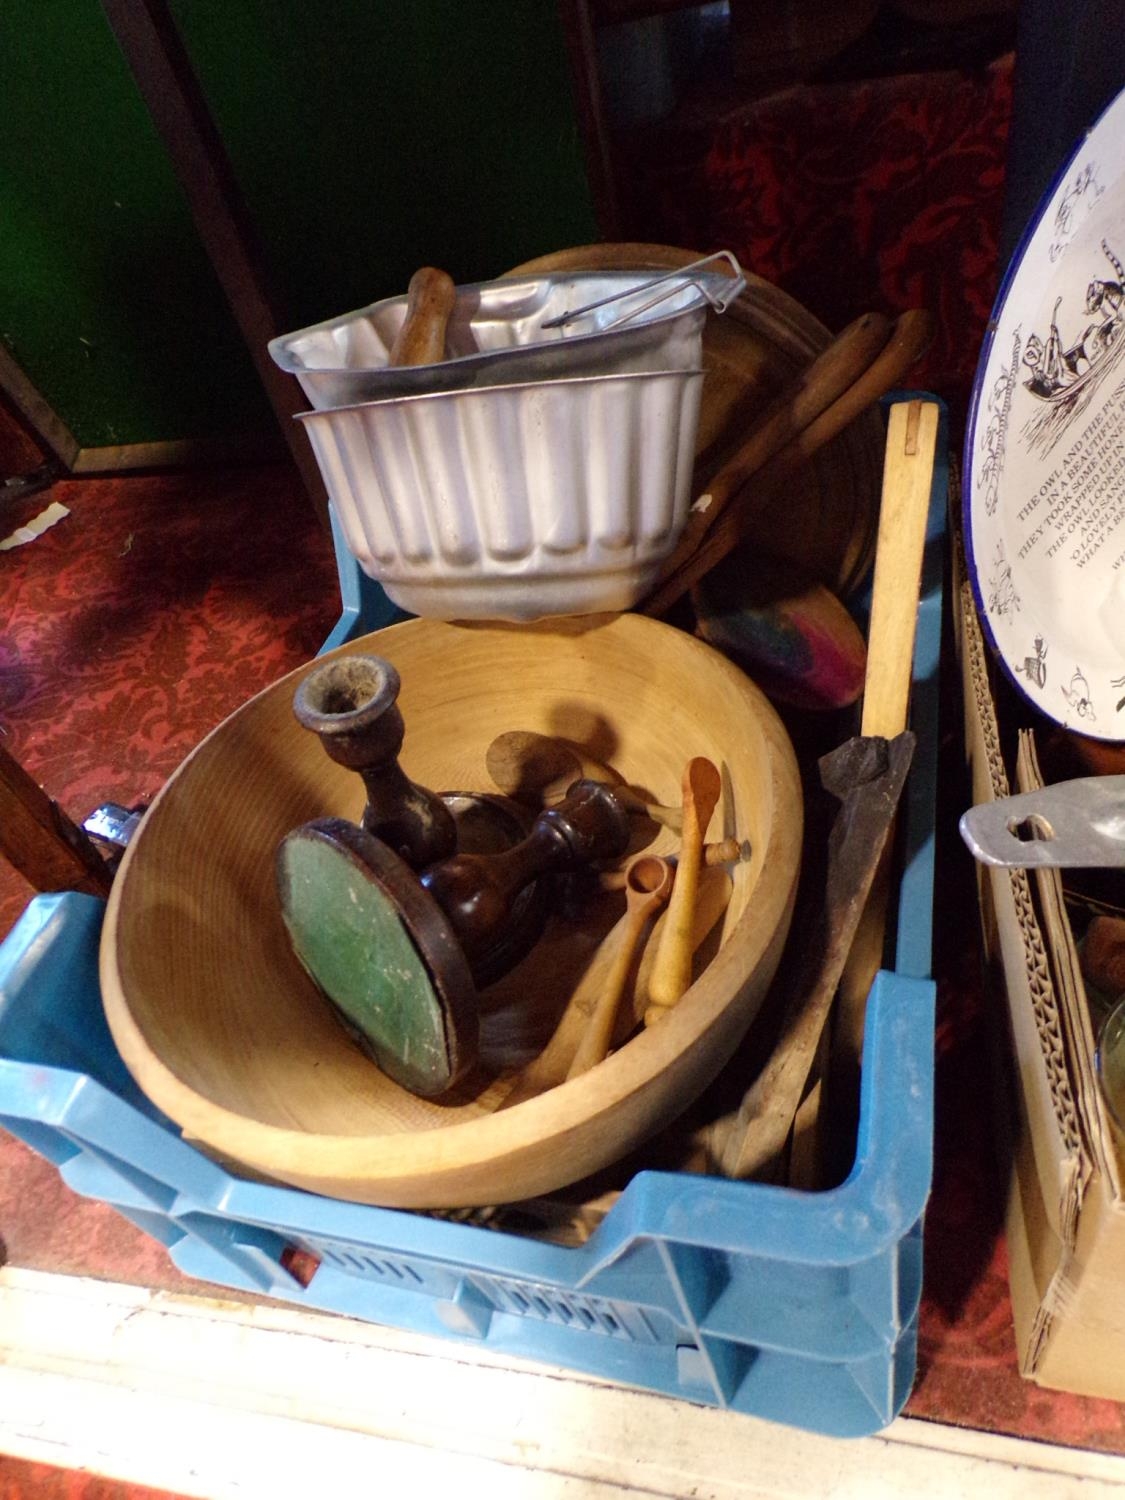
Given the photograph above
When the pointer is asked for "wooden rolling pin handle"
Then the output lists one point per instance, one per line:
(429, 302)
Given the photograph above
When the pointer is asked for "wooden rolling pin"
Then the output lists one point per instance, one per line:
(429, 302)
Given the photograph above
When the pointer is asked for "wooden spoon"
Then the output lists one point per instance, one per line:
(551, 1067)
(648, 883)
(539, 769)
(429, 303)
(671, 972)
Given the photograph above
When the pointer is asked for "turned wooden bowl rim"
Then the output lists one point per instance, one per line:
(648, 1062)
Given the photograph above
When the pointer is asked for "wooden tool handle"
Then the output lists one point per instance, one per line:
(900, 546)
(725, 852)
(671, 974)
(908, 341)
(429, 303)
(904, 508)
(829, 375)
(599, 1030)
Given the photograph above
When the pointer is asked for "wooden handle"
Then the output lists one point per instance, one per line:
(671, 973)
(908, 341)
(899, 549)
(829, 375)
(725, 852)
(903, 511)
(553, 1064)
(429, 303)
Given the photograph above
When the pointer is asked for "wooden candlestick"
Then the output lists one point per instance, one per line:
(350, 703)
(476, 891)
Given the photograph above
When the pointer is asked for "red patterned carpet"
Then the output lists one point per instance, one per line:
(143, 618)
(22, 1481)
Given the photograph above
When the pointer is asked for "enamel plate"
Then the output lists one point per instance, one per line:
(1045, 449)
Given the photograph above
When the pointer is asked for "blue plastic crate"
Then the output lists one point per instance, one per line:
(797, 1307)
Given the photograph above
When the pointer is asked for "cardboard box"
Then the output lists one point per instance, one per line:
(1065, 1216)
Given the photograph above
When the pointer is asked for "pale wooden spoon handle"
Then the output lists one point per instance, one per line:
(671, 974)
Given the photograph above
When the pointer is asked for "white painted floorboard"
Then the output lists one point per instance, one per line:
(218, 1399)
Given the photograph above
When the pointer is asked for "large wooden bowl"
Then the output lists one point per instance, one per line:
(225, 1032)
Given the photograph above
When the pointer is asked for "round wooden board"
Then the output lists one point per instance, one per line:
(751, 353)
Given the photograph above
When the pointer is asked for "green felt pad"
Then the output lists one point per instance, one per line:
(348, 935)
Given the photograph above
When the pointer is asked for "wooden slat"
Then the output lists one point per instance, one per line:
(36, 411)
(581, 46)
(162, 69)
(37, 837)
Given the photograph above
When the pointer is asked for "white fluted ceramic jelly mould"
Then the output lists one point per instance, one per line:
(515, 502)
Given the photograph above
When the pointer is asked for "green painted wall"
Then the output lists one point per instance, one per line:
(368, 137)
(373, 136)
(107, 301)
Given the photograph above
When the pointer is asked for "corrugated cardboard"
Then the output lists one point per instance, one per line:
(1065, 1212)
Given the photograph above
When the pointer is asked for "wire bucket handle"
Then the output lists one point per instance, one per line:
(720, 300)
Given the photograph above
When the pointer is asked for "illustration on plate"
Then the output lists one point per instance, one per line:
(1085, 185)
(1065, 374)
(1078, 696)
(995, 434)
(1117, 683)
(1035, 667)
(1002, 596)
